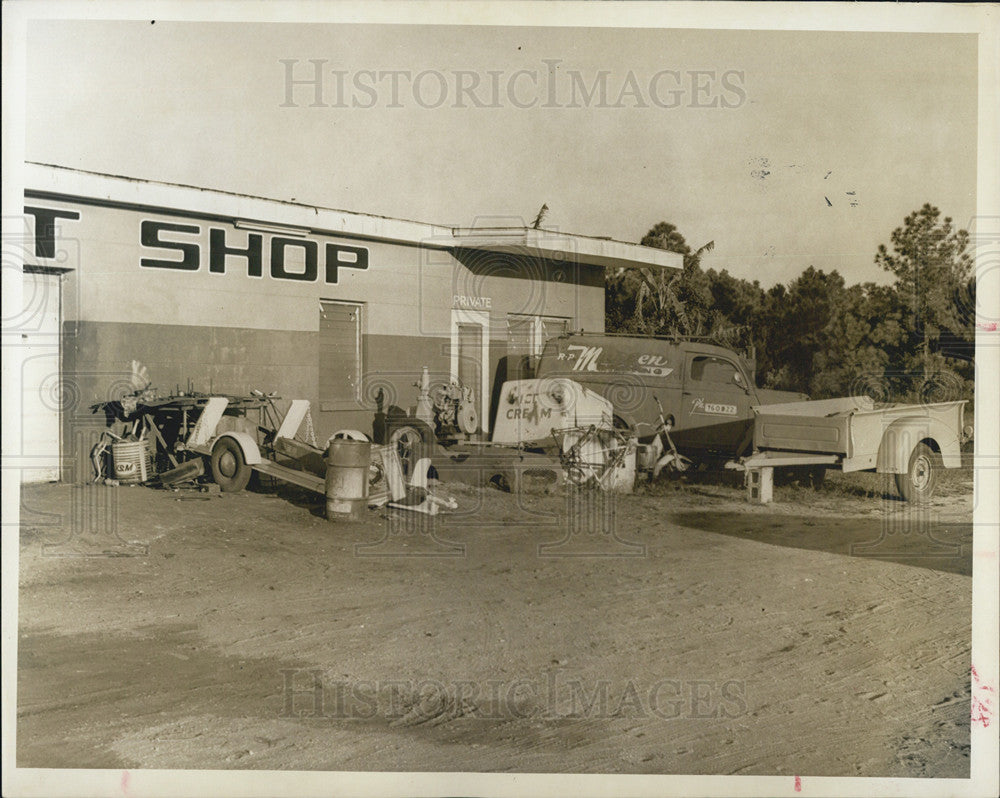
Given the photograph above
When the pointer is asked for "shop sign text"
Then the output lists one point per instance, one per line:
(283, 258)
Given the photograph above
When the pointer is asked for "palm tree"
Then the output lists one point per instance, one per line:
(677, 299)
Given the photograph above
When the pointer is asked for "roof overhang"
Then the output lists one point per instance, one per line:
(557, 246)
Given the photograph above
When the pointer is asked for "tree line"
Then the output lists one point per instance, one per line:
(910, 340)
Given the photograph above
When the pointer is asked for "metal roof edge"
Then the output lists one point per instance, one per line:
(127, 191)
(136, 192)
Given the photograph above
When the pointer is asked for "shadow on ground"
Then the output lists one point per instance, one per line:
(909, 537)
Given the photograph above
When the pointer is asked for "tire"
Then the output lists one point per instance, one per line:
(229, 470)
(411, 443)
(376, 477)
(918, 483)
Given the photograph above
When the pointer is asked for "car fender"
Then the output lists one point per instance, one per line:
(901, 437)
(251, 452)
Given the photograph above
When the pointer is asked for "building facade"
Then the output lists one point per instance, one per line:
(194, 289)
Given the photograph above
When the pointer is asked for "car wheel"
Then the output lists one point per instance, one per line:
(229, 470)
(918, 483)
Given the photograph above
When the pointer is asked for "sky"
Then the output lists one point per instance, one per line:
(787, 149)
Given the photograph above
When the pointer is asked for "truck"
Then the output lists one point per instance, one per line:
(706, 398)
(910, 442)
(707, 392)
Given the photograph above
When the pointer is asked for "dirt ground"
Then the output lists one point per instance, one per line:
(678, 630)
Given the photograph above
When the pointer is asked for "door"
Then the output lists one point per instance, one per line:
(42, 382)
(715, 405)
(470, 363)
(470, 357)
(340, 327)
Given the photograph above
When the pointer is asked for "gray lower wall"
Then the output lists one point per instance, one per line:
(97, 364)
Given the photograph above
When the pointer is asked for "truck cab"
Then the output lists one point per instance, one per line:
(707, 391)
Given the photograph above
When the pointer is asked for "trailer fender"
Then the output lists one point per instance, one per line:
(901, 437)
(248, 446)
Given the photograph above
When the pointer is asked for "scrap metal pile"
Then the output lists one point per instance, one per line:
(184, 437)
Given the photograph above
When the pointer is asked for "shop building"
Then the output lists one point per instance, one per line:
(222, 293)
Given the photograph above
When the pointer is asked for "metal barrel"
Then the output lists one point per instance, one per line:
(347, 463)
(131, 461)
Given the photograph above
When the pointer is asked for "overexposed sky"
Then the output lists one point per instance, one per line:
(817, 146)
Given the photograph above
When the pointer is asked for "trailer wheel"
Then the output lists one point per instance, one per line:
(918, 483)
(411, 445)
(229, 470)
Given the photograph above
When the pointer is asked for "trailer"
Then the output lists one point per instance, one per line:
(911, 442)
(193, 434)
(229, 436)
(546, 431)
(233, 455)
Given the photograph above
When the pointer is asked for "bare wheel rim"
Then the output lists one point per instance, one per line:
(920, 475)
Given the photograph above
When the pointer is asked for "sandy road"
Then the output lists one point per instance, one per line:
(825, 634)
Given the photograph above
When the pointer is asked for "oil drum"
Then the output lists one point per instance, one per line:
(347, 463)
